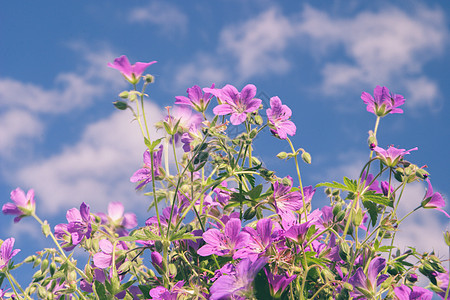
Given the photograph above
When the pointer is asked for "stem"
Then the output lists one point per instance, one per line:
(11, 280)
(299, 179)
(377, 122)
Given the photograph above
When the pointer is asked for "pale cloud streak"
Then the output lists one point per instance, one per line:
(95, 170)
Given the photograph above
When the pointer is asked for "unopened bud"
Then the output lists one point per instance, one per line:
(149, 78)
(337, 209)
(120, 105)
(250, 213)
(306, 157)
(447, 238)
(253, 133)
(421, 173)
(282, 155)
(258, 120)
(412, 277)
(124, 95)
(255, 161)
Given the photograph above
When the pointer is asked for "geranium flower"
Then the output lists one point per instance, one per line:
(7, 252)
(383, 102)
(117, 219)
(278, 115)
(196, 98)
(144, 175)
(442, 283)
(226, 242)
(79, 226)
(259, 240)
(365, 285)
(161, 293)
(238, 283)
(236, 103)
(132, 73)
(23, 205)
(404, 292)
(286, 202)
(433, 200)
(391, 156)
(278, 283)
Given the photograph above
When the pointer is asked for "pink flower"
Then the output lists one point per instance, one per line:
(433, 200)
(7, 252)
(279, 115)
(144, 175)
(117, 219)
(197, 100)
(236, 103)
(391, 156)
(23, 205)
(383, 102)
(132, 73)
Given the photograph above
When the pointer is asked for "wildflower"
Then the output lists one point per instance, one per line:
(161, 293)
(117, 219)
(278, 283)
(433, 200)
(144, 175)
(224, 243)
(7, 252)
(383, 102)
(366, 285)
(442, 283)
(391, 156)
(24, 205)
(196, 99)
(297, 232)
(259, 240)
(404, 292)
(236, 103)
(103, 259)
(286, 202)
(278, 115)
(238, 283)
(79, 226)
(132, 73)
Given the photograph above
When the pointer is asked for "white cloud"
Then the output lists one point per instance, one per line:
(203, 71)
(96, 170)
(162, 14)
(384, 47)
(18, 128)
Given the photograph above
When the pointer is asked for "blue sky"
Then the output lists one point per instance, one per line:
(61, 135)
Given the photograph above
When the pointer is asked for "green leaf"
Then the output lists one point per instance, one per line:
(250, 179)
(377, 198)
(372, 209)
(335, 185)
(152, 145)
(352, 184)
(145, 289)
(255, 192)
(100, 291)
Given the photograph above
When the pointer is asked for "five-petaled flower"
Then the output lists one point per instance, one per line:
(285, 201)
(383, 102)
(196, 98)
(236, 103)
(132, 73)
(278, 283)
(117, 219)
(79, 226)
(365, 285)
(433, 200)
(24, 205)
(391, 156)
(279, 115)
(144, 175)
(7, 252)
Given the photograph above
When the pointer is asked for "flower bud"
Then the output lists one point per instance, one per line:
(258, 120)
(412, 277)
(421, 173)
(149, 78)
(120, 105)
(337, 209)
(124, 95)
(372, 140)
(282, 155)
(306, 157)
(447, 237)
(256, 161)
(250, 213)
(253, 133)
(44, 265)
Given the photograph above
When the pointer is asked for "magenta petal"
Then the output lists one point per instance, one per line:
(85, 212)
(182, 100)
(141, 174)
(106, 246)
(11, 209)
(222, 109)
(19, 198)
(102, 260)
(238, 118)
(375, 267)
(115, 210)
(73, 215)
(248, 92)
(253, 105)
(229, 93)
(139, 67)
(129, 220)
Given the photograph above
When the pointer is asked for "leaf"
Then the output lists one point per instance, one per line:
(152, 145)
(100, 290)
(250, 179)
(255, 192)
(335, 185)
(352, 184)
(372, 209)
(377, 198)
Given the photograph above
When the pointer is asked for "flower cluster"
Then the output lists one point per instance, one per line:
(226, 227)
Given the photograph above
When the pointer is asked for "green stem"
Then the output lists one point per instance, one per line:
(299, 179)
(11, 279)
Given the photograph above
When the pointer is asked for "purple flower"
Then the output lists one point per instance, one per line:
(297, 232)
(7, 252)
(404, 292)
(278, 115)
(366, 285)
(286, 202)
(117, 219)
(144, 175)
(259, 240)
(383, 102)
(196, 99)
(161, 293)
(278, 283)
(238, 283)
(103, 259)
(391, 156)
(433, 200)
(235, 103)
(132, 73)
(79, 226)
(23, 205)
(442, 283)
(226, 242)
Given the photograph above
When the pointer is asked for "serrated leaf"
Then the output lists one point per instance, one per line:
(376, 198)
(372, 210)
(250, 179)
(152, 145)
(255, 192)
(352, 184)
(334, 184)
(100, 290)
